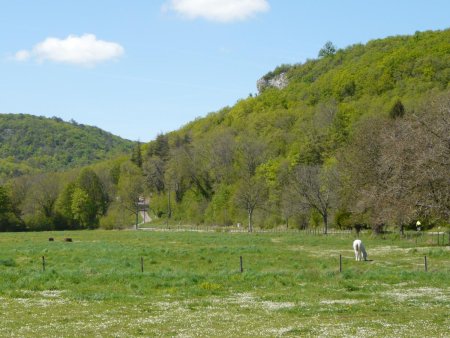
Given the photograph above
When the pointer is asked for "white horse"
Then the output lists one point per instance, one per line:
(360, 250)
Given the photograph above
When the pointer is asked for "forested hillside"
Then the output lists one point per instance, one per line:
(30, 144)
(358, 138)
(297, 153)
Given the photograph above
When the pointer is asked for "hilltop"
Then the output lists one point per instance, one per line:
(30, 144)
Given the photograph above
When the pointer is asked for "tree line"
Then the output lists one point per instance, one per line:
(392, 171)
(359, 138)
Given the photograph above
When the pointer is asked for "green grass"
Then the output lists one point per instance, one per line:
(192, 286)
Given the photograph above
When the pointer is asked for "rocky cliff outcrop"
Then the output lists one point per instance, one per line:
(278, 81)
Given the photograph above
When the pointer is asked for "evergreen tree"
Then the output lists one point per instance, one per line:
(397, 110)
(327, 50)
(136, 155)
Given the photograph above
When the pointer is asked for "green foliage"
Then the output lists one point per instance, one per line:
(277, 71)
(29, 144)
(310, 120)
(9, 221)
(235, 164)
(82, 207)
(327, 50)
(220, 209)
(136, 155)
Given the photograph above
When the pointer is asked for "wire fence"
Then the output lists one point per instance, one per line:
(440, 238)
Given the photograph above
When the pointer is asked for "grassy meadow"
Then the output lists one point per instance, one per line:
(192, 285)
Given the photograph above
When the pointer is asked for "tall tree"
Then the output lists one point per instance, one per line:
(82, 208)
(130, 189)
(251, 194)
(136, 155)
(91, 184)
(9, 221)
(154, 170)
(252, 151)
(315, 190)
(222, 149)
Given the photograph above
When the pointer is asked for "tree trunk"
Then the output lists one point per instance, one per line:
(325, 221)
(250, 225)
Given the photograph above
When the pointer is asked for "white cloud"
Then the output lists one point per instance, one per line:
(22, 55)
(80, 50)
(217, 10)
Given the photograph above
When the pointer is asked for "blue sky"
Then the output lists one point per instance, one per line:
(139, 68)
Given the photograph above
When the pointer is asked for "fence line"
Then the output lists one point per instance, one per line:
(440, 238)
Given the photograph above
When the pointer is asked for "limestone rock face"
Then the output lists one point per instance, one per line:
(279, 81)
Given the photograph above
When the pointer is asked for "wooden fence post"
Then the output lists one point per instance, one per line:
(43, 263)
(426, 263)
(142, 264)
(242, 265)
(340, 263)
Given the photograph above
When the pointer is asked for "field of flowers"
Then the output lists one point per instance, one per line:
(186, 284)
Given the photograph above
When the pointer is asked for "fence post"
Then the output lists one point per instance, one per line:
(142, 264)
(43, 263)
(340, 263)
(242, 265)
(426, 263)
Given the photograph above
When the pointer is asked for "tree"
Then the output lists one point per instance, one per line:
(130, 189)
(160, 147)
(9, 221)
(39, 200)
(91, 184)
(251, 153)
(250, 194)
(361, 181)
(136, 155)
(154, 169)
(396, 170)
(327, 50)
(315, 189)
(43, 194)
(416, 153)
(64, 204)
(188, 168)
(83, 201)
(221, 155)
(431, 138)
(397, 110)
(5, 201)
(82, 208)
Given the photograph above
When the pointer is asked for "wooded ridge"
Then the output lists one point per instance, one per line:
(357, 138)
(30, 144)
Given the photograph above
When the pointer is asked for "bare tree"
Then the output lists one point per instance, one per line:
(314, 188)
(130, 188)
(361, 180)
(250, 195)
(43, 193)
(154, 169)
(396, 170)
(221, 155)
(251, 153)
